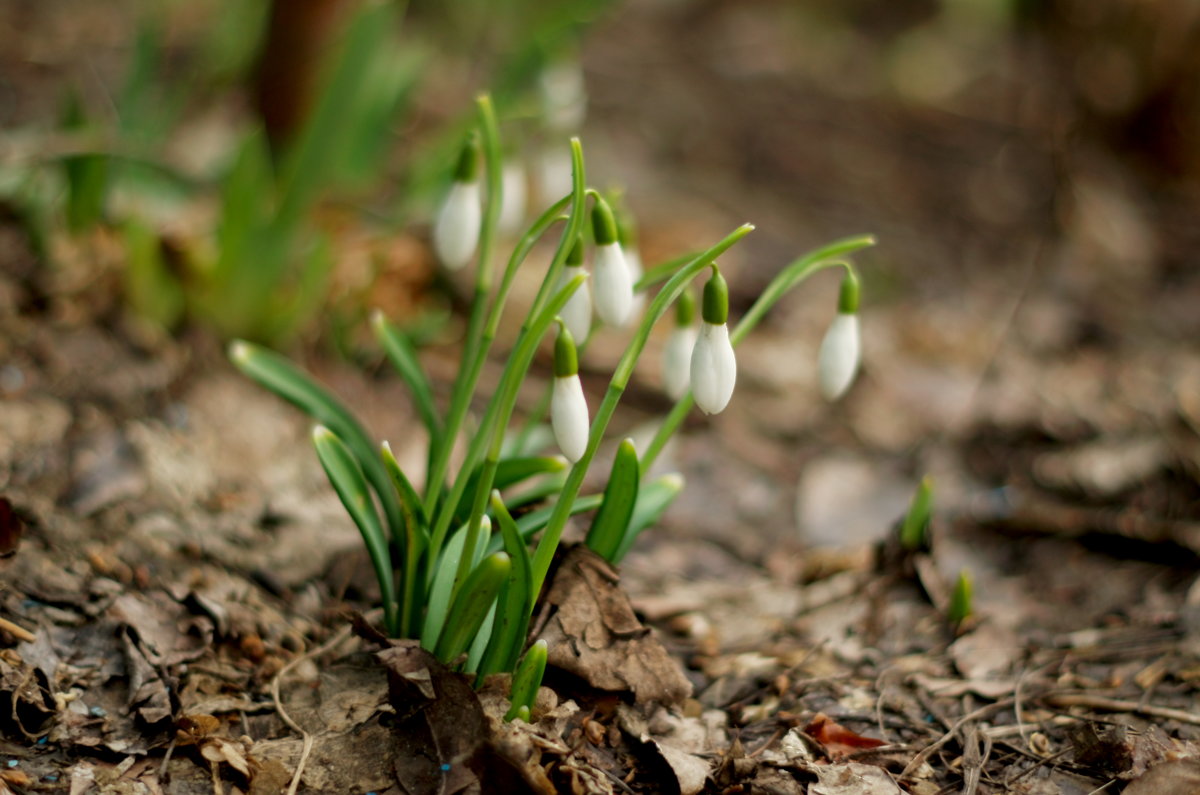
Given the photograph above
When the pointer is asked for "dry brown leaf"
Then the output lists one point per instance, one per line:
(594, 634)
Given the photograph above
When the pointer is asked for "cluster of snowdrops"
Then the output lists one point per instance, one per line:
(461, 561)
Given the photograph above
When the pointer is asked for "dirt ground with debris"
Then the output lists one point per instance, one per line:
(178, 583)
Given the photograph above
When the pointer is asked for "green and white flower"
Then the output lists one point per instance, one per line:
(841, 349)
(714, 367)
(456, 231)
(677, 355)
(568, 407)
(577, 314)
(614, 285)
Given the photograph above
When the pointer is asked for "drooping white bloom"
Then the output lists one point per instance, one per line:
(614, 287)
(569, 416)
(838, 359)
(577, 314)
(677, 361)
(714, 368)
(512, 208)
(456, 232)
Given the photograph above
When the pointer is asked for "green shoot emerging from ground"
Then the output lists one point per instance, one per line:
(455, 568)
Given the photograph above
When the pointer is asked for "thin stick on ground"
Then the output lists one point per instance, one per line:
(307, 738)
(1121, 705)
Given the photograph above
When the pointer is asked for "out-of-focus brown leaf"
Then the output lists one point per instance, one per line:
(593, 633)
(26, 696)
(1180, 777)
(440, 724)
(11, 529)
(837, 739)
(851, 778)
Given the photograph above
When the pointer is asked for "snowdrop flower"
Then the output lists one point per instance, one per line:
(614, 287)
(456, 231)
(577, 314)
(512, 188)
(677, 356)
(838, 359)
(568, 407)
(714, 368)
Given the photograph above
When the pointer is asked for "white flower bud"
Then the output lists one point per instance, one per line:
(677, 361)
(714, 368)
(577, 314)
(569, 416)
(633, 260)
(614, 288)
(456, 232)
(837, 361)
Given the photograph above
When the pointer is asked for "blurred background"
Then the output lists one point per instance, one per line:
(215, 168)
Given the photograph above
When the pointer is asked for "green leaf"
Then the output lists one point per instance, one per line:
(416, 541)
(960, 600)
(471, 606)
(442, 586)
(404, 358)
(526, 681)
(510, 472)
(653, 501)
(348, 481)
(914, 533)
(515, 601)
(151, 289)
(87, 175)
(620, 495)
(530, 523)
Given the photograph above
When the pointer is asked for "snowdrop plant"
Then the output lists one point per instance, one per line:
(457, 570)
(837, 361)
(577, 314)
(713, 366)
(614, 286)
(677, 355)
(456, 231)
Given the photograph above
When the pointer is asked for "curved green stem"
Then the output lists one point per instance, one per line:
(813, 262)
(616, 386)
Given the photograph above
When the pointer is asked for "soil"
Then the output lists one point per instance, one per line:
(177, 580)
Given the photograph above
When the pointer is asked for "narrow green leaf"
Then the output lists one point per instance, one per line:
(471, 606)
(515, 602)
(526, 681)
(404, 358)
(483, 637)
(914, 532)
(442, 586)
(510, 472)
(87, 175)
(960, 600)
(652, 503)
(348, 481)
(416, 541)
(530, 523)
(611, 523)
(151, 289)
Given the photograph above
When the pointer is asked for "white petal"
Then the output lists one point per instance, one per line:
(577, 314)
(714, 368)
(456, 232)
(512, 209)
(837, 361)
(677, 361)
(614, 288)
(569, 417)
(634, 260)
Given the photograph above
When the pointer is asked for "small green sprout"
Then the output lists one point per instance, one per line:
(914, 532)
(960, 599)
(456, 569)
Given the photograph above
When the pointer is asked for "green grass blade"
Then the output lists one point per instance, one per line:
(348, 481)
(416, 541)
(515, 602)
(403, 357)
(471, 606)
(510, 472)
(441, 587)
(611, 523)
(652, 503)
(914, 533)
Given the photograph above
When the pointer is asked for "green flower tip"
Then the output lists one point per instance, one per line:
(848, 296)
(960, 600)
(685, 308)
(716, 299)
(575, 255)
(604, 225)
(673, 481)
(377, 318)
(566, 358)
(468, 160)
(320, 433)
